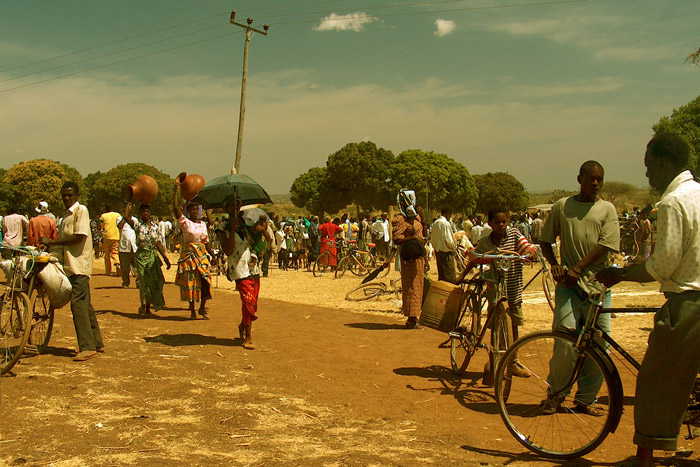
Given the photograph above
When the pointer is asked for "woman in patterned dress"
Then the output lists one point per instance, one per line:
(193, 274)
(147, 264)
(408, 225)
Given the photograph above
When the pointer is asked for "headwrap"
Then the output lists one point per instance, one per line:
(406, 199)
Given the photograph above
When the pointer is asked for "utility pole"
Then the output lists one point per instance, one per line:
(241, 116)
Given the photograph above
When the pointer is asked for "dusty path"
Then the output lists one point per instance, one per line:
(325, 386)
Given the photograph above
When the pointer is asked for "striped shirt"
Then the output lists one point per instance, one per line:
(513, 241)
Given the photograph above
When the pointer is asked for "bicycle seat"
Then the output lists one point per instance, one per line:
(371, 245)
(352, 242)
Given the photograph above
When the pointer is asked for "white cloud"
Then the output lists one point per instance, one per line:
(597, 86)
(350, 22)
(444, 27)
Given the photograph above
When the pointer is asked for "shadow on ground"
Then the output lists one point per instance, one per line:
(177, 340)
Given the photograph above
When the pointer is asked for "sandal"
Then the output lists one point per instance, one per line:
(590, 409)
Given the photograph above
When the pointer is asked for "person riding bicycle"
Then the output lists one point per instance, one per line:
(504, 237)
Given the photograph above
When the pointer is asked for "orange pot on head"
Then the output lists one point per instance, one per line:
(144, 190)
(190, 185)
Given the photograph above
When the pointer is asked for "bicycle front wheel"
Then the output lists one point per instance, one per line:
(501, 339)
(465, 337)
(366, 291)
(343, 265)
(42, 325)
(542, 410)
(15, 325)
(321, 264)
(549, 286)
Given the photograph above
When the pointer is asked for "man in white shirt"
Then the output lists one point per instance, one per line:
(126, 249)
(14, 227)
(443, 241)
(672, 359)
(381, 234)
(475, 233)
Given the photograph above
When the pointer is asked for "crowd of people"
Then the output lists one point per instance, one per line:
(578, 238)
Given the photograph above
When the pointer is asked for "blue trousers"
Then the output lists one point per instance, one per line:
(570, 313)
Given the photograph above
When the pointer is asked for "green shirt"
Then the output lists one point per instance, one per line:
(582, 226)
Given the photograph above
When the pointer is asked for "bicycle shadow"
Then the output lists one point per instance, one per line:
(527, 456)
(135, 315)
(375, 326)
(465, 389)
(178, 340)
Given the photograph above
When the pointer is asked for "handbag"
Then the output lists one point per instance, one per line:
(412, 250)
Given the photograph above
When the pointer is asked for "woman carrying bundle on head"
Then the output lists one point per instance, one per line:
(193, 274)
(147, 264)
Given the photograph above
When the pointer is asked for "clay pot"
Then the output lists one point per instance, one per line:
(144, 190)
(190, 184)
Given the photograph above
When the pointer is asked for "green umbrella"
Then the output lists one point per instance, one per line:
(220, 189)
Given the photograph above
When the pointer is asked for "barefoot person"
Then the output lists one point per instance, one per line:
(146, 262)
(74, 249)
(193, 275)
(672, 359)
(243, 243)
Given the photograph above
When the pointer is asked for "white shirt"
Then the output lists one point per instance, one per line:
(242, 263)
(165, 227)
(675, 263)
(475, 233)
(441, 236)
(381, 227)
(127, 237)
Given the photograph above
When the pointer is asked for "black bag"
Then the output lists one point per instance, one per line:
(412, 250)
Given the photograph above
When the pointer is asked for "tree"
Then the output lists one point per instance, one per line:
(37, 180)
(612, 190)
(559, 194)
(437, 180)
(684, 121)
(358, 173)
(108, 188)
(694, 57)
(310, 191)
(500, 189)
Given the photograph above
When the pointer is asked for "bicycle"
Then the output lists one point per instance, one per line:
(469, 332)
(374, 289)
(26, 315)
(323, 262)
(548, 284)
(540, 411)
(360, 262)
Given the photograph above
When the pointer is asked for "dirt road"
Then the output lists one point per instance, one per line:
(325, 386)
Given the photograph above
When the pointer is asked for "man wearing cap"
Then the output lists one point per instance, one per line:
(110, 240)
(41, 225)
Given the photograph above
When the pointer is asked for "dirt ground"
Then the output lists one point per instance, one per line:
(331, 383)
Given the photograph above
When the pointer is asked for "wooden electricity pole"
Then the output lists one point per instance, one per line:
(241, 117)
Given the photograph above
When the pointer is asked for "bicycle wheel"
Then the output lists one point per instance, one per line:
(42, 316)
(549, 287)
(501, 339)
(321, 264)
(366, 291)
(540, 410)
(343, 265)
(15, 325)
(467, 330)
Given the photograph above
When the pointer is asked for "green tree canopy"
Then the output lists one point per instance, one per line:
(32, 181)
(358, 174)
(437, 180)
(310, 191)
(108, 188)
(500, 189)
(684, 121)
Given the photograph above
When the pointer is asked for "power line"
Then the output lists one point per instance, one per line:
(156, 31)
(554, 2)
(112, 53)
(120, 61)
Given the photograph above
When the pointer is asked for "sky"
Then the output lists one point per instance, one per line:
(533, 88)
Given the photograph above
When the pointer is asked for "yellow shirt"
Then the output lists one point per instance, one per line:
(109, 224)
